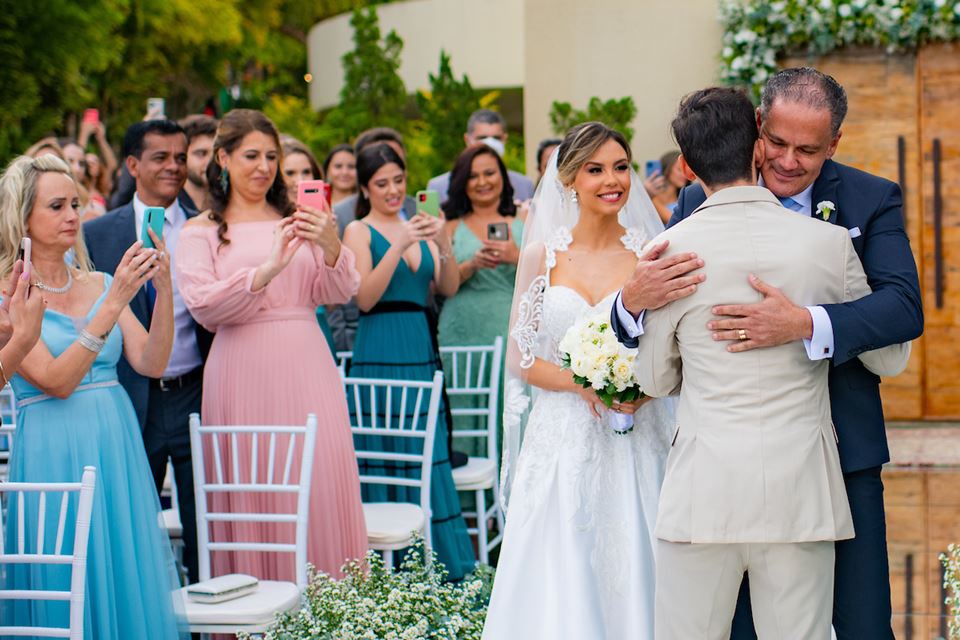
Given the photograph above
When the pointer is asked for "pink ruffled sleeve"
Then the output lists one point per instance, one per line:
(212, 301)
(336, 284)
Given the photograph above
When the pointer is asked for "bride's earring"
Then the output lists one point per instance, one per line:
(573, 195)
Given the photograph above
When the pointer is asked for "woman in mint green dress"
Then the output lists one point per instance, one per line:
(483, 224)
(398, 260)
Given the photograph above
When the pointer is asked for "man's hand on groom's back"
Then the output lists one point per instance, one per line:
(657, 281)
(773, 321)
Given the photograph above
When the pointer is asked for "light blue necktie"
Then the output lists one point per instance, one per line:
(791, 204)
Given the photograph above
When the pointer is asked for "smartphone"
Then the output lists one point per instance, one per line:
(429, 202)
(24, 254)
(157, 106)
(653, 166)
(498, 231)
(152, 219)
(313, 193)
(91, 116)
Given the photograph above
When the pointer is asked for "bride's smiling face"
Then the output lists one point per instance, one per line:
(603, 182)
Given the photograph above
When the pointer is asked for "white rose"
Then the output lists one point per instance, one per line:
(745, 36)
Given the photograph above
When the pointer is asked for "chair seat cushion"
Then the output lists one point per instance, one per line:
(259, 607)
(392, 522)
(170, 521)
(478, 473)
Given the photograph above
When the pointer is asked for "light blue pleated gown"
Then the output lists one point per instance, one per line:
(130, 569)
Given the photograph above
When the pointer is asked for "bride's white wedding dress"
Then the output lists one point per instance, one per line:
(577, 557)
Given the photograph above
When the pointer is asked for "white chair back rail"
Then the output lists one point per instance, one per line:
(398, 410)
(8, 414)
(236, 470)
(42, 554)
(474, 372)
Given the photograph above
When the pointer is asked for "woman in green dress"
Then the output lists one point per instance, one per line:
(398, 260)
(483, 225)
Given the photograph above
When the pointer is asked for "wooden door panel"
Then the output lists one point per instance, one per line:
(939, 93)
(882, 108)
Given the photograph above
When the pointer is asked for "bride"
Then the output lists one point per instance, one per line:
(577, 557)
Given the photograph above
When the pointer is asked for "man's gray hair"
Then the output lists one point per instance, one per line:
(486, 116)
(807, 86)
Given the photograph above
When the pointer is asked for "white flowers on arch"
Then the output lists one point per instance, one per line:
(757, 32)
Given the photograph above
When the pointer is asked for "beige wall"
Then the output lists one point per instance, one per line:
(567, 50)
(653, 50)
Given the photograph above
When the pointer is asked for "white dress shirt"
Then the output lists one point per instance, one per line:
(185, 356)
(819, 345)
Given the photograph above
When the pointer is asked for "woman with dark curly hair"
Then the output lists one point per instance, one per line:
(253, 269)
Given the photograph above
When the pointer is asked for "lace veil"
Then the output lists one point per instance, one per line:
(554, 211)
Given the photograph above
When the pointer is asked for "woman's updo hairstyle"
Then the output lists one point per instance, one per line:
(580, 144)
(231, 131)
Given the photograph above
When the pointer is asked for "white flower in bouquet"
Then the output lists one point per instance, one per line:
(596, 358)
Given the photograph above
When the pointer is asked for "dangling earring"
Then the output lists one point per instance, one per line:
(224, 180)
(573, 195)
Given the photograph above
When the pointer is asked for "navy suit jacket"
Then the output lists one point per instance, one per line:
(108, 238)
(893, 313)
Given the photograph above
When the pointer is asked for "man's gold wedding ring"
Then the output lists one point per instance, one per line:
(742, 334)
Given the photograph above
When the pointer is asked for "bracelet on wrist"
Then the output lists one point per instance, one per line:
(91, 342)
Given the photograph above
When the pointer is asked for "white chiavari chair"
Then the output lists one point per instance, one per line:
(473, 374)
(385, 416)
(236, 453)
(42, 554)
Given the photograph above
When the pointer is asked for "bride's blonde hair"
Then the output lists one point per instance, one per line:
(580, 144)
(18, 195)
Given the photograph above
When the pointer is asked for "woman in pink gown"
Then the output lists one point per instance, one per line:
(254, 269)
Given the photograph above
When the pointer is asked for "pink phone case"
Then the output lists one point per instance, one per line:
(313, 193)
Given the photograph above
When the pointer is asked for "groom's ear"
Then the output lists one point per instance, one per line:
(687, 171)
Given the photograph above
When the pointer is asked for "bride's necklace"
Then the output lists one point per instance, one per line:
(45, 287)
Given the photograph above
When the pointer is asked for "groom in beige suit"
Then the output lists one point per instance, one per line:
(753, 481)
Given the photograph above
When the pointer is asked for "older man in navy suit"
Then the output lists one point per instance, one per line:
(800, 116)
(157, 159)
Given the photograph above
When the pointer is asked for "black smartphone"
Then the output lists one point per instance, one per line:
(498, 231)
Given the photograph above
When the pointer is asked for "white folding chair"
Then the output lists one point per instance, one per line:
(15, 493)
(417, 405)
(343, 359)
(8, 414)
(474, 372)
(255, 612)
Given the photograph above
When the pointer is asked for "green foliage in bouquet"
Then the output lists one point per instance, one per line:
(609, 393)
(951, 582)
(375, 602)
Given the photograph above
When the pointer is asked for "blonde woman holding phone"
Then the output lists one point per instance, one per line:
(72, 411)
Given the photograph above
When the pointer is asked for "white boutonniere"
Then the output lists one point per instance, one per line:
(825, 208)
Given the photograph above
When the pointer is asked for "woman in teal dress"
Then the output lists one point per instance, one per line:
(73, 413)
(483, 224)
(397, 261)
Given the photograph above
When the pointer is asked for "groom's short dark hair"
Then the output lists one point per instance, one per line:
(716, 129)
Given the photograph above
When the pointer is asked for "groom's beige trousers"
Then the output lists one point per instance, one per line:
(791, 589)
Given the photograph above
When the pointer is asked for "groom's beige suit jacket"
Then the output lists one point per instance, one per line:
(754, 457)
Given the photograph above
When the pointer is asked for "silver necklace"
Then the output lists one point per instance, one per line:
(45, 287)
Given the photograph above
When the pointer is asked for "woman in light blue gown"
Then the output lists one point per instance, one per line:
(73, 413)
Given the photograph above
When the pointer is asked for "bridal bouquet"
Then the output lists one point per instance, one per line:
(592, 352)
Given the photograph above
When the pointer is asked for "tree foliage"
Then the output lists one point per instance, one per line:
(617, 114)
(445, 110)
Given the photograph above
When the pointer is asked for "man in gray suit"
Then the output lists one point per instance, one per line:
(753, 481)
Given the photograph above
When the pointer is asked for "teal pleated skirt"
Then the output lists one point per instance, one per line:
(397, 345)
